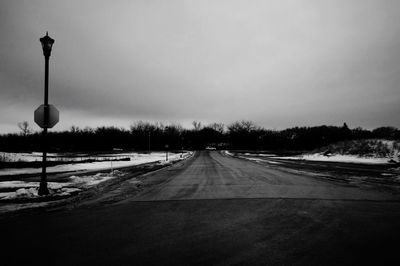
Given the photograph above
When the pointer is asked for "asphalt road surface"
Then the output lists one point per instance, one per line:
(213, 210)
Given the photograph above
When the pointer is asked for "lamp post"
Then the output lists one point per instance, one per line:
(47, 44)
(149, 142)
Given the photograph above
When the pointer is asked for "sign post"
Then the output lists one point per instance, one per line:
(46, 116)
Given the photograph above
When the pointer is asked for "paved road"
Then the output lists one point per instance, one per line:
(212, 175)
(214, 210)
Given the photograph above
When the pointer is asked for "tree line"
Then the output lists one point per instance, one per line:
(240, 135)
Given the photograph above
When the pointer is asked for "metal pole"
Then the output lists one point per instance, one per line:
(46, 80)
(43, 190)
(149, 142)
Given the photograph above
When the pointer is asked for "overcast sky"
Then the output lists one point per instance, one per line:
(277, 63)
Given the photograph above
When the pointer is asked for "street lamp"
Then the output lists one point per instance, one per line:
(47, 44)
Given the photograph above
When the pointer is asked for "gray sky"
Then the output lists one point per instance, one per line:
(277, 63)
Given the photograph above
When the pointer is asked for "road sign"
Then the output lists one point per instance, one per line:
(46, 116)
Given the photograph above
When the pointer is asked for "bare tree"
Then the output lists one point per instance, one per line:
(196, 125)
(219, 127)
(74, 129)
(243, 126)
(25, 128)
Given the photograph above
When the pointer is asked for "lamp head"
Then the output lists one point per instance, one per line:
(47, 44)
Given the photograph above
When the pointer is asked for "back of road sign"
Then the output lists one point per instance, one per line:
(46, 116)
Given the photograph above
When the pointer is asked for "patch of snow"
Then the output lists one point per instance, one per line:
(259, 154)
(76, 183)
(91, 180)
(228, 153)
(65, 191)
(259, 160)
(27, 192)
(135, 181)
(17, 184)
(266, 154)
(273, 162)
(7, 195)
(252, 159)
(31, 192)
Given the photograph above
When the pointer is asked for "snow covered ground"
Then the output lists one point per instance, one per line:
(318, 157)
(338, 158)
(24, 190)
(21, 189)
(228, 153)
(135, 159)
(37, 156)
(365, 151)
(260, 154)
